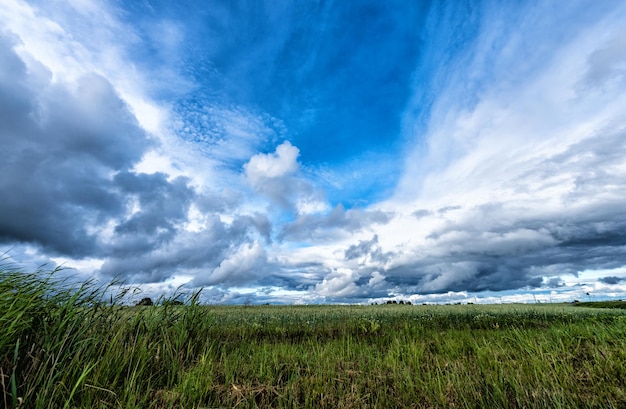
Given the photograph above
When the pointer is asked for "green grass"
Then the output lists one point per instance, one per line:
(603, 304)
(63, 346)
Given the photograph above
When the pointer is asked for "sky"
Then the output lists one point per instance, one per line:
(318, 151)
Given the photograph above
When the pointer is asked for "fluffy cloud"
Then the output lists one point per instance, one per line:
(264, 169)
(338, 284)
(63, 142)
(276, 176)
(244, 265)
(72, 189)
(187, 253)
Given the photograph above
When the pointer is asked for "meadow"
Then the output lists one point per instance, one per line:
(68, 346)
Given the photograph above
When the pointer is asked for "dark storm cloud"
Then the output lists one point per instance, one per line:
(257, 221)
(316, 226)
(163, 206)
(184, 252)
(611, 280)
(60, 145)
(368, 249)
(69, 187)
(364, 248)
(554, 283)
(478, 256)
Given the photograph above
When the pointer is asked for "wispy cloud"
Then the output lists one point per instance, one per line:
(525, 164)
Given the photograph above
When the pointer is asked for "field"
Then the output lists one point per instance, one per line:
(68, 347)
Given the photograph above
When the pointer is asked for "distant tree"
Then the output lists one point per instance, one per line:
(172, 302)
(147, 301)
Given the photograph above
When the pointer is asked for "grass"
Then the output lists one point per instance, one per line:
(603, 304)
(66, 346)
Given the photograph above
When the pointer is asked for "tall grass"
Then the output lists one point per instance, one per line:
(72, 346)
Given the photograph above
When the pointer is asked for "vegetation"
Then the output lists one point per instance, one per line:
(63, 346)
(603, 304)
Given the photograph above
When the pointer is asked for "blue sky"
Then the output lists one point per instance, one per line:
(318, 152)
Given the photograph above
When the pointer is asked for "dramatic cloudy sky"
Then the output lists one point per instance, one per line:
(318, 151)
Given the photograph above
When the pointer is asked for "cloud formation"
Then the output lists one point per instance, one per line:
(63, 143)
(276, 176)
(72, 191)
(482, 156)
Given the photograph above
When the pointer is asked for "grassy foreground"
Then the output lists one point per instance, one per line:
(65, 347)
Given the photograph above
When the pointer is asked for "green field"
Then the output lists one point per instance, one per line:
(68, 347)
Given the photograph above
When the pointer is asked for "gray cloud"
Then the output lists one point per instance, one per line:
(322, 226)
(476, 255)
(612, 280)
(257, 221)
(224, 254)
(69, 187)
(421, 213)
(163, 206)
(364, 248)
(510, 245)
(605, 66)
(368, 250)
(61, 144)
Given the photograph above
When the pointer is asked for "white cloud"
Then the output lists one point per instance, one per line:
(277, 176)
(264, 167)
(377, 280)
(476, 150)
(245, 264)
(522, 153)
(338, 284)
(505, 147)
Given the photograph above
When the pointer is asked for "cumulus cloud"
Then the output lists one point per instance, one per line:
(244, 265)
(368, 251)
(72, 189)
(156, 209)
(262, 169)
(276, 176)
(63, 142)
(338, 284)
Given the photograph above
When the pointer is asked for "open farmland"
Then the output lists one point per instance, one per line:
(62, 346)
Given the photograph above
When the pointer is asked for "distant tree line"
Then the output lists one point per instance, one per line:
(147, 301)
(401, 302)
